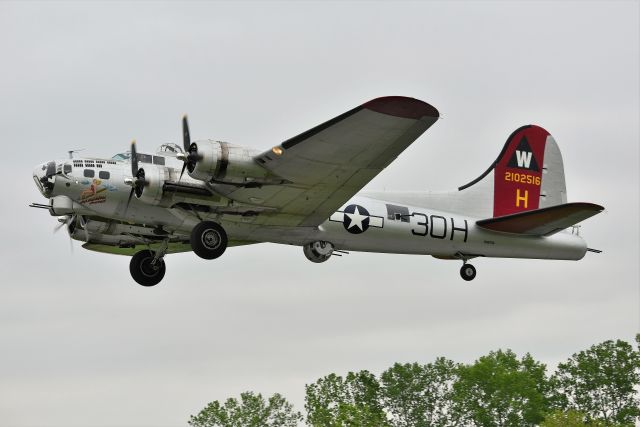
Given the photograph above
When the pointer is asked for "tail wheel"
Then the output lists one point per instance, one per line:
(468, 272)
(208, 240)
(144, 270)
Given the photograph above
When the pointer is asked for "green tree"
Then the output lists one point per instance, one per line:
(569, 418)
(251, 411)
(419, 395)
(354, 401)
(500, 390)
(601, 382)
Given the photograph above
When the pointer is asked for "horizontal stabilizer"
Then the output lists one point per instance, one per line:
(542, 222)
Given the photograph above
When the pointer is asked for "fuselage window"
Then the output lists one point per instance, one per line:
(103, 175)
(89, 173)
(158, 160)
(398, 213)
(67, 169)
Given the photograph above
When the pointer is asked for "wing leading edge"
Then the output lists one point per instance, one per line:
(331, 162)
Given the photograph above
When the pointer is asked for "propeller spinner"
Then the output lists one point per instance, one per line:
(137, 181)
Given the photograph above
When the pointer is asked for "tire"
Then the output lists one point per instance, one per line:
(143, 271)
(208, 240)
(468, 272)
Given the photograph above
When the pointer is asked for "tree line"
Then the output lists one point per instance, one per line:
(599, 386)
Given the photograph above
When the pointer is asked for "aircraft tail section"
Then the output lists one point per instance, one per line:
(527, 175)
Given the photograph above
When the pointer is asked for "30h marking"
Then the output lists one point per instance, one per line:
(436, 226)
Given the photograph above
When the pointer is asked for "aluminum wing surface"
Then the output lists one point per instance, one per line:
(328, 164)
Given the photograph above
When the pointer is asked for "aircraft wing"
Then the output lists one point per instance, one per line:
(542, 222)
(328, 164)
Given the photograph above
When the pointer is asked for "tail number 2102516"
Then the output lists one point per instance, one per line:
(523, 178)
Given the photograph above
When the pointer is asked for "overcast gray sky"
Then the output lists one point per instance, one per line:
(82, 345)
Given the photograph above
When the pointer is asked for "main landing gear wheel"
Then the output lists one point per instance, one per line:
(144, 270)
(468, 272)
(208, 240)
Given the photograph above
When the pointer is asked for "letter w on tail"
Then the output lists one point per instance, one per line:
(523, 158)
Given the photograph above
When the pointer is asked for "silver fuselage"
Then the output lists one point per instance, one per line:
(376, 225)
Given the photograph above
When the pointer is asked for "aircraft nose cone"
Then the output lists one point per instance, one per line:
(39, 171)
(44, 176)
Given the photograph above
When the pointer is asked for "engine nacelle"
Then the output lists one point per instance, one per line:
(319, 251)
(118, 229)
(222, 162)
(63, 205)
(154, 178)
(105, 239)
(83, 229)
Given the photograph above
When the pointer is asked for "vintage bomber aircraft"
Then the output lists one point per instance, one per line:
(304, 192)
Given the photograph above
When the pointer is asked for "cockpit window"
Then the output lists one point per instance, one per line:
(142, 158)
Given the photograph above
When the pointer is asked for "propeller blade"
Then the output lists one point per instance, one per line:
(186, 138)
(59, 226)
(133, 189)
(70, 223)
(184, 166)
(139, 182)
(134, 159)
(83, 224)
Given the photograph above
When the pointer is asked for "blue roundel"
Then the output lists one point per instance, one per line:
(356, 219)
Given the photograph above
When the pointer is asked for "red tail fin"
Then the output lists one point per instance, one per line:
(518, 171)
(528, 174)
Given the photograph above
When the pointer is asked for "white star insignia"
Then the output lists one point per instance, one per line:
(356, 219)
